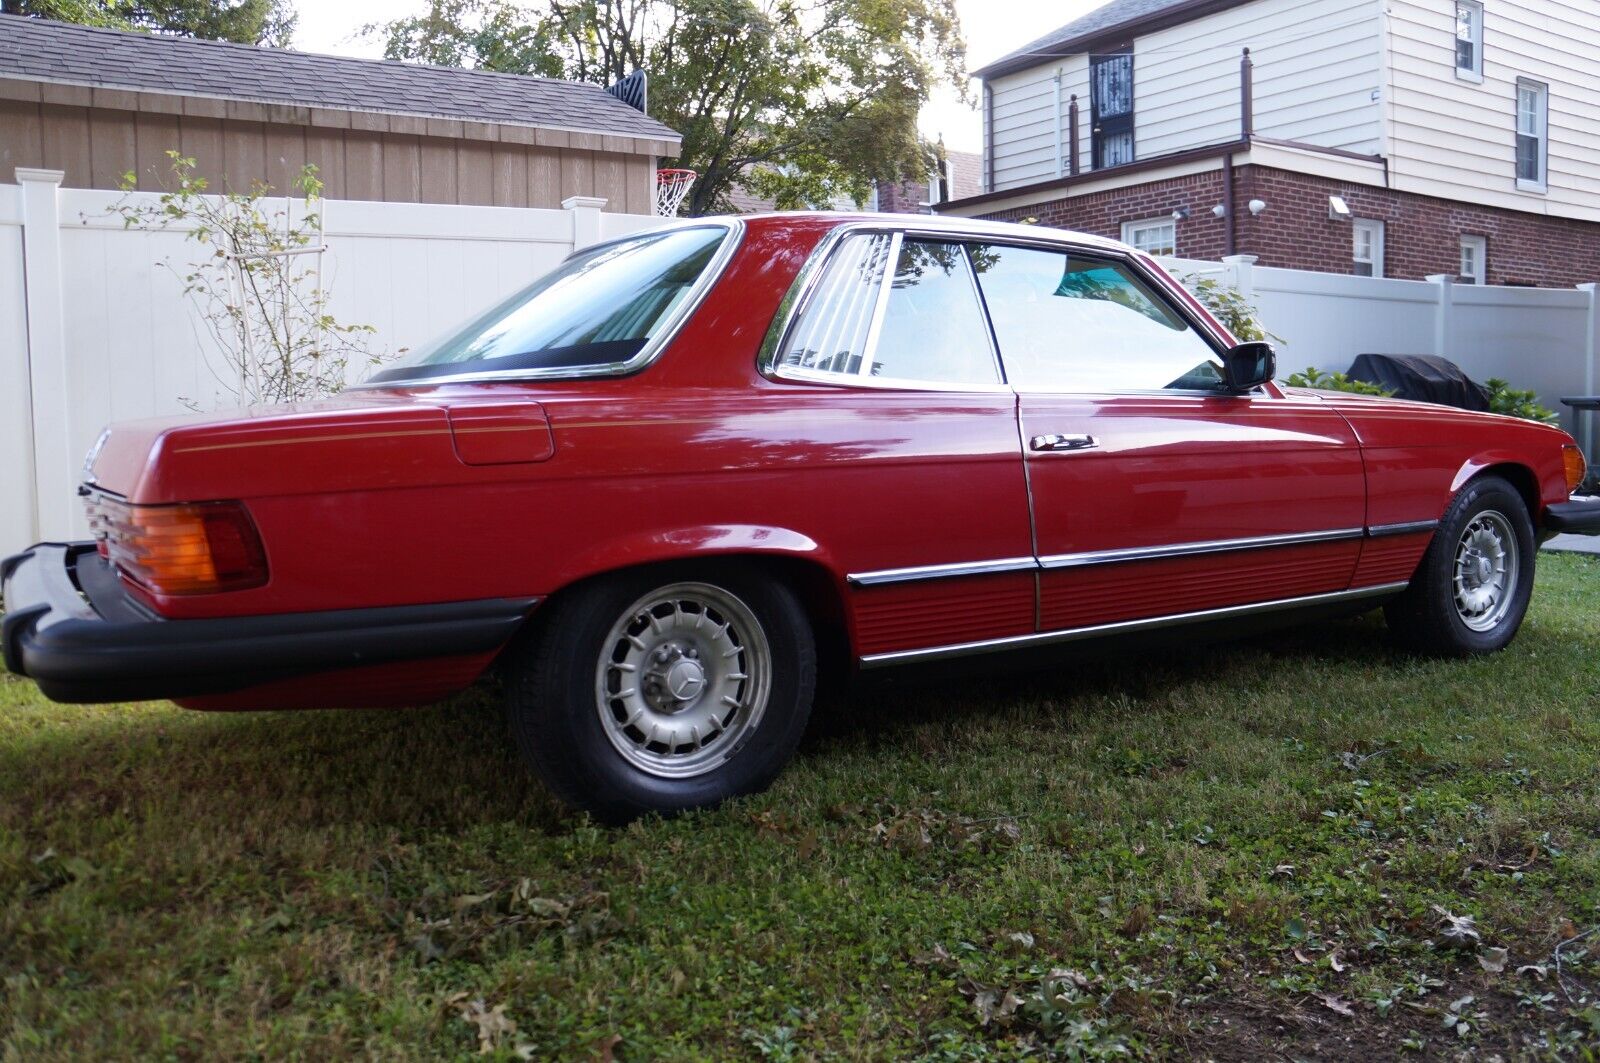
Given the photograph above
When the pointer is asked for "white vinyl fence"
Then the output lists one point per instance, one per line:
(94, 329)
(1540, 339)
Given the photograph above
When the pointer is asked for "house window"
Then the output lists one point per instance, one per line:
(1533, 124)
(1154, 236)
(1474, 260)
(1111, 103)
(1367, 252)
(1469, 40)
(939, 183)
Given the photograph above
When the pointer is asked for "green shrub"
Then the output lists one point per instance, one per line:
(1316, 378)
(1503, 398)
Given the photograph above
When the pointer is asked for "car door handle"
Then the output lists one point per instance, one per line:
(1061, 442)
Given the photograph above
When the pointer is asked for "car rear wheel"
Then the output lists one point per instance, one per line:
(1471, 590)
(663, 691)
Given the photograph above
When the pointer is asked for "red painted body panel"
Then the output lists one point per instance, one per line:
(503, 490)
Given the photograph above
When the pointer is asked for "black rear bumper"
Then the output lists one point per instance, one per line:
(72, 627)
(1581, 516)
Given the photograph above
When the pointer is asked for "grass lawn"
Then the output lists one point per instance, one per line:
(1311, 846)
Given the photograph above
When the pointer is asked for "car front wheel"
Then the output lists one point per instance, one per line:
(1471, 590)
(663, 692)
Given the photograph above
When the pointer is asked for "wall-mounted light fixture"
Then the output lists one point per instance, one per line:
(1220, 210)
(1180, 214)
(1257, 206)
(1338, 209)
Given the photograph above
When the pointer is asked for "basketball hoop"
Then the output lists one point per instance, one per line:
(671, 187)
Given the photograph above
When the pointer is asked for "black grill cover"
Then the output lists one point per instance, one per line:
(1423, 377)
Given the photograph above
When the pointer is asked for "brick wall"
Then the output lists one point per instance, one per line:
(907, 197)
(1421, 234)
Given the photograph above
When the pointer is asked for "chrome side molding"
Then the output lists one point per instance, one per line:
(1046, 638)
(1051, 562)
(926, 572)
(1213, 546)
(1378, 531)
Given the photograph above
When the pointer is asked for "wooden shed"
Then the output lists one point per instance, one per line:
(97, 103)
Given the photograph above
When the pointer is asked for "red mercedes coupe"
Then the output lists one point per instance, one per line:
(667, 483)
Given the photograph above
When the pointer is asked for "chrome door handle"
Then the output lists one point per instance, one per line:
(1061, 442)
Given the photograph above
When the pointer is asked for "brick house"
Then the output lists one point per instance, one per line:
(1403, 139)
(959, 176)
(96, 103)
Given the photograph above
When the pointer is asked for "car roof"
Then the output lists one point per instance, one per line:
(935, 223)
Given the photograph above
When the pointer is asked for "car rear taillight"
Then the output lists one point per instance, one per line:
(1576, 467)
(181, 549)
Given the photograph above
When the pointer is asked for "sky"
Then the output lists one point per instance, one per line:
(992, 28)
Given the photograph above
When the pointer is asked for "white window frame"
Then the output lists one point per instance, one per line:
(1375, 227)
(1474, 9)
(1541, 118)
(1479, 246)
(1132, 229)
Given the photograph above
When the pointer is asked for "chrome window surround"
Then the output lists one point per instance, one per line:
(1046, 638)
(806, 281)
(666, 331)
(1053, 562)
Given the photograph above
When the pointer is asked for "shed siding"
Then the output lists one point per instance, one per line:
(96, 146)
(1456, 139)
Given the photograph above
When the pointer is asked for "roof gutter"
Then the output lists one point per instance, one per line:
(1116, 34)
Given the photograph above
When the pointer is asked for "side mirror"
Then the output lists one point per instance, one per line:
(1249, 365)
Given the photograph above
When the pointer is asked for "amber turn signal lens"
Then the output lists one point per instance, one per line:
(182, 549)
(1576, 467)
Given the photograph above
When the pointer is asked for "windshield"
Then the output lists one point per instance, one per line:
(599, 307)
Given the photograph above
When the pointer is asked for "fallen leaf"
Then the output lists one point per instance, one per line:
(1302, 957)
(1538, 970)
(1460, 930)
(1019, 941)
(1493, 960)
(1336, 1003)
(1336, 960)
(493, 1025)
(605, 1050)
(1283, 871)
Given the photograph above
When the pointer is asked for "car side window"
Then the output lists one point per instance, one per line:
(927, 326)
(933, 327)
(1077, 323)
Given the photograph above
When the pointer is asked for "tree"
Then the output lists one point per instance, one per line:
(800, 101)
(241, 21)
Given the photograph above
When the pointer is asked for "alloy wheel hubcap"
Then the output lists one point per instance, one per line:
(683, 680)
(1486, 570)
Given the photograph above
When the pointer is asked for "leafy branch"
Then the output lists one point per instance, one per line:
(257, 287)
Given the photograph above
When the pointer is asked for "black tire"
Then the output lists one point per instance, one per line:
(1427, 617)
(554, 692)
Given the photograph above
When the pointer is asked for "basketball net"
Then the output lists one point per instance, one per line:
(671, 187)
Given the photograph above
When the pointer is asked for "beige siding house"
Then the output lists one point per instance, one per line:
(97, 103)
(1400, 138)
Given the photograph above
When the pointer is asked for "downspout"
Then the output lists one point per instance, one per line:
(988, 138)
(1060, 157)
(1227, 203)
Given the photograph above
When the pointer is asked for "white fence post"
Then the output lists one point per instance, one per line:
(1591, 352)
(53, 472)
(585, 211)
(1238, 274)
(1441, 320)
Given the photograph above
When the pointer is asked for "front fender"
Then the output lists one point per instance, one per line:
(1546, 473)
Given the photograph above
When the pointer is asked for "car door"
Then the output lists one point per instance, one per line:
(913, 476)
(1156, 492)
